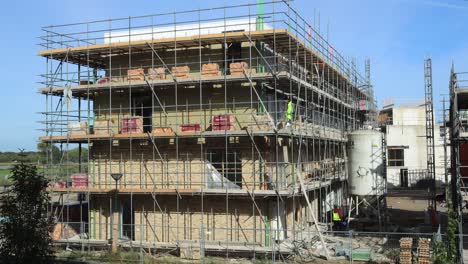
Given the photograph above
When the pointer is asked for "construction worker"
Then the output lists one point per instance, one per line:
(289, 112)
(337, 218)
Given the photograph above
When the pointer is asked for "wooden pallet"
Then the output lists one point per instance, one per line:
(406, 253)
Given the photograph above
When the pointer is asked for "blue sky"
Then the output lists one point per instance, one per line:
(395, 34)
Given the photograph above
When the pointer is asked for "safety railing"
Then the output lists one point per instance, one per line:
(153, 175)
(158, 119)
(248, 17)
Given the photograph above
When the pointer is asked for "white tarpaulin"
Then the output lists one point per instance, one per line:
(183, 30)
(67, 94)
(215, 180)
(278, 220)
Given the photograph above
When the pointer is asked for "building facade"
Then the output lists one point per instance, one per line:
(405, 129)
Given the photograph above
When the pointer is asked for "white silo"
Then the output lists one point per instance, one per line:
(366, 168)
(366, 182)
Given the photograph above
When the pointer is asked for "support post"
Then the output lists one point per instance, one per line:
(115, 215)
(115, 223)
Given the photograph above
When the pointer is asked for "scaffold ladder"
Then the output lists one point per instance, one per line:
(430, 131)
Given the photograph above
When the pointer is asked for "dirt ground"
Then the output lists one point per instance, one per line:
(407, 210)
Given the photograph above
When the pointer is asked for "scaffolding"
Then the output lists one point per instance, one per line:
(190, 109)
(458, 147)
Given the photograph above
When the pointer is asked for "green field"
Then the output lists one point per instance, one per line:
(4, 172)
(56, 172)
(4, 169)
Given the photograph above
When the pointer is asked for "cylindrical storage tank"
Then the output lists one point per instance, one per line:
(365, 163)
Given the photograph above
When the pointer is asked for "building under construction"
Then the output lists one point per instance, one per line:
(225, 125)
(458, 125)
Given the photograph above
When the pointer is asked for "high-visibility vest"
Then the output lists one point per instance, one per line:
(336, 216)
(289, 111)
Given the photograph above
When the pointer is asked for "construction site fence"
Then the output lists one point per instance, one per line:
(249, 17)
(273, 243)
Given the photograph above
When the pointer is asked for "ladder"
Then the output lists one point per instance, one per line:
(430, 131)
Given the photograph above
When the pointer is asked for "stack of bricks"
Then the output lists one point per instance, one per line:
(136, 74)
(163, 131)
(132, 125)
(157, 73)
(79, 180)
(180, 72)
(190, 127)
(424, 255)
(238, 68)
(210, 69)
(406, 244)
(222, 122)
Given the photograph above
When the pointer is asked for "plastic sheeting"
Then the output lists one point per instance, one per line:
(215, 180)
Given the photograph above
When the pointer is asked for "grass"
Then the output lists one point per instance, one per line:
(4, 172)
(56, 172)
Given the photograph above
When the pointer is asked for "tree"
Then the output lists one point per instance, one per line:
(446, 253)
(452, 228)
(49, 151)
(74, 156)
(25, 228)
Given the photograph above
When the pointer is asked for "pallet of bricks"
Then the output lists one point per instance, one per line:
(211, 69)
(190, 128)
(136, 74)
(132, 124)
(424, 255)
(79, 180)
(181, 72)
(238, 68)
(406, 244)
(157, 73)
(223, 122)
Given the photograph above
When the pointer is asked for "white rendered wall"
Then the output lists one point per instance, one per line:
(409, 116)
(409, 131)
